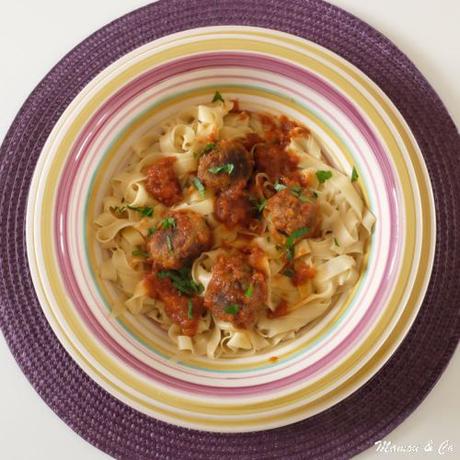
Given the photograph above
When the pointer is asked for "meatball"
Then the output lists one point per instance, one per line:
(288, 213)
(233, 208)
(178, 243)
(162, 182)
(237, 291)
(228, 164)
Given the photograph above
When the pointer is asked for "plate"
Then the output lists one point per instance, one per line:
(270, 70)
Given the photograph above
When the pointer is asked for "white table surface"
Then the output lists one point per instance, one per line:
(34, 35)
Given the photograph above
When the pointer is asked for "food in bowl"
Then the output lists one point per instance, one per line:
(231, 230)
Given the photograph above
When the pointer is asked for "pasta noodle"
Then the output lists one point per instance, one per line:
(298, 227)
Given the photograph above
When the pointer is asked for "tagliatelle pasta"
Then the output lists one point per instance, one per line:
(230, 230)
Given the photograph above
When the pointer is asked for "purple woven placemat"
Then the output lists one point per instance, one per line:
(345, 429)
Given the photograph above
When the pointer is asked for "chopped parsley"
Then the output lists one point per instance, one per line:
(140, 253)
(169, 243)
(304, 199)
(182, 280)
(289, 272)
(168, 222)
(199, 186)
(290, 241)
(143, 210)
(232, 309)
(336, 242)
(297, 191)
(259, 205)
(190, 309)
(226, 168)
(249, 291)
(217, 97)
(151, 231)
(323, 176)
(354, 175)
(278, 186)
(208, 147)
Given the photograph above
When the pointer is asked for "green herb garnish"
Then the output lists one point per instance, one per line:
(304, 199)
(151, 231)
(354, 175)
(289, 272)
(190, 309)
(323, 176)
(249, 291)
(336, 242)
(168, 222)
(182, 281)
(278, 186)
(227, 168)
(291, 240)
(145, 211)
(199, 186)
(208, 147)
(217, 97)
(259, 205)
(140, 253)
(232, 309)
(297, 191)
(169, 243)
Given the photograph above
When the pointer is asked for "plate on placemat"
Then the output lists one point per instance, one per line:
(264, 68)
(320, 378)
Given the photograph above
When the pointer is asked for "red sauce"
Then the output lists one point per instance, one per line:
(176, 305)
(233, 208)
(275, 161)
(256, 258)
(236, 106)
(302, 274)
(271, 157)
(250, 140)
(162, 182)
(280, 310)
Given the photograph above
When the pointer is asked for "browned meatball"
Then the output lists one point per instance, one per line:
(233, 207)
(162, 182)
(180, 237)
(237, 291)
(227, 165)
(289, 213)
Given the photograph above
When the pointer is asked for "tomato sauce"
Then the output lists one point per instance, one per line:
(271, 157)
(251, 140)
(280, 310)
(233, 207)
(302, 274)
(162, 182)
(176, 304)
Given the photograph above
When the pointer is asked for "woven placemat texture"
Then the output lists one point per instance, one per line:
(340, 432)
